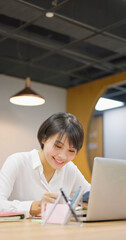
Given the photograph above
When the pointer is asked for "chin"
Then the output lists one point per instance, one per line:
(58, 167)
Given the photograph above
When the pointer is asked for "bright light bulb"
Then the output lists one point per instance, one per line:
(27, 100)
(105, 103)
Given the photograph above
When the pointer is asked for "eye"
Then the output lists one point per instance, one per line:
(57, 146)
(72, 151)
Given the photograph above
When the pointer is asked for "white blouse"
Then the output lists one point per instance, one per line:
(21, 180)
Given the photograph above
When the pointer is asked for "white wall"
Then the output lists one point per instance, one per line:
(114, 127)
(18, 124)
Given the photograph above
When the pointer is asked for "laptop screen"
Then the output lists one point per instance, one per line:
(107, 199)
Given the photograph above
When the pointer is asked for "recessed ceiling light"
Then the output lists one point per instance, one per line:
(49, 14)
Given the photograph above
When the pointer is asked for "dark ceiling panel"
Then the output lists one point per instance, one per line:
(98, 14)
(84, 41)
(119, 30)
(92, 50)
(109, 43)
(120, 61)
(42, 3)
(58, 62)
(63, 26)
(93, 73)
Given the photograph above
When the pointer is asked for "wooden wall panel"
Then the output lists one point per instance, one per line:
(81, 101)
(95, 140)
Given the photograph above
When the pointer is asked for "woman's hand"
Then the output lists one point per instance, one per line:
(35, 208)
(47, 198)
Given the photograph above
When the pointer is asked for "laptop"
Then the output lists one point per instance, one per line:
(107, 198)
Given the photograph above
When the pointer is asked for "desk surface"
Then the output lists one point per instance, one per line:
(28, 230)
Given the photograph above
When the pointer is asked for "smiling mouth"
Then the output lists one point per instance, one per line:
(58, 162)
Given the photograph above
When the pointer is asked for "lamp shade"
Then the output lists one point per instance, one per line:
(27, 97)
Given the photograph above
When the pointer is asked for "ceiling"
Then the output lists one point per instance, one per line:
(84, 41)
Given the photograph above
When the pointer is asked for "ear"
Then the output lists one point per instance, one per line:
(43, 139)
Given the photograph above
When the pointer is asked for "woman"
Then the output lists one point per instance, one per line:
(28, 178)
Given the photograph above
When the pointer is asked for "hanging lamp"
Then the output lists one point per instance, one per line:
(27, 97)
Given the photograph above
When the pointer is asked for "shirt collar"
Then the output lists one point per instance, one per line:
(35, 159)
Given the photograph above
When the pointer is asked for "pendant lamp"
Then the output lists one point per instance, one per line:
(27, 97)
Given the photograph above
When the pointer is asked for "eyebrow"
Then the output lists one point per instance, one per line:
(58, 141)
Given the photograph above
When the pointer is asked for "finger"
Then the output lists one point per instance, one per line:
(52, 195)
(49, 199)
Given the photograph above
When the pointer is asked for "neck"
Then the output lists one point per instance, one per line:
(47, 169)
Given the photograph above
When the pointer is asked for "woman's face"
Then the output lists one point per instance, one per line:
(58, 152)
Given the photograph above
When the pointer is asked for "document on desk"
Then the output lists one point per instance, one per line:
(11, 216)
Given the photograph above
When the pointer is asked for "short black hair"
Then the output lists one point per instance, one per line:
(64, 123)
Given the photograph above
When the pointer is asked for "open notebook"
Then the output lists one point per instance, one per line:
(107, 199)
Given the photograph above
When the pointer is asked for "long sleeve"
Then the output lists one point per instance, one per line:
(8, 175)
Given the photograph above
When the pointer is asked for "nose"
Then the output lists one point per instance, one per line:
(63, 155)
